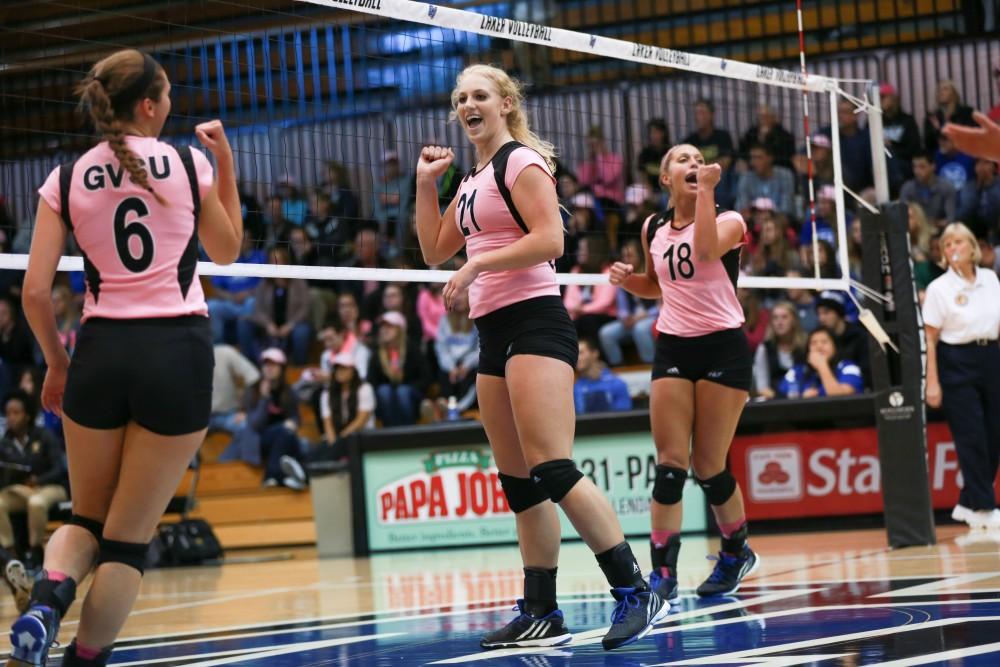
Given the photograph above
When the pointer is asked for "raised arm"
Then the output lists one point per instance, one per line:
(221, 228)
(712, 239)
(438, 235)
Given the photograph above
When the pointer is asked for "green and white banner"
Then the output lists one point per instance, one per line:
(452, 496)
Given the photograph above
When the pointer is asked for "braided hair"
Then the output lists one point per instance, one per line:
(108, 95)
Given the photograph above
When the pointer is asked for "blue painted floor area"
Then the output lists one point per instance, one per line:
(858, 623)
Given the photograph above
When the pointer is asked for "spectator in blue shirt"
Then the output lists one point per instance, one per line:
(232, 296)
(766, 180)
(804, 300)
(826, 219)
(824, 373)
(855, 148)
(597, 389)
(952, 165)
(635, 318)
(934, 194)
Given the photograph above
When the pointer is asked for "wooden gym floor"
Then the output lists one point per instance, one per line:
(839, 598)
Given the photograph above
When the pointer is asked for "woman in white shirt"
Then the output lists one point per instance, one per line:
(348, 405)
(962, 318)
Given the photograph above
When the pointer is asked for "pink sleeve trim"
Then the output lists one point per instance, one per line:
(520, 159)
(735, 215)
(50, 191)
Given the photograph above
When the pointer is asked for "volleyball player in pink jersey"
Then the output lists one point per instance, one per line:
(506, 214)
(136, 396)
(702, 367)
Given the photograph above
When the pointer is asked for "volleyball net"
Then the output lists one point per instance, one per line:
(327, 104)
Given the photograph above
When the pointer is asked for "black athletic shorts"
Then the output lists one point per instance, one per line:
(721, 356)
(156, 372)
(535, 326)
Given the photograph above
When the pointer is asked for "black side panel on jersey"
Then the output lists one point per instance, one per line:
(189, 259)
(65, 180)
(90, 272)
(731, 262)
(500, 175)
(656, 223)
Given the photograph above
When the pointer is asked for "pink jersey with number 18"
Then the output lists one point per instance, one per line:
(699, 298)
(486, 216)
(140, 256)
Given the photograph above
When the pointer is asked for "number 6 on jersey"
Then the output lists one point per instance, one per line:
(126, 230)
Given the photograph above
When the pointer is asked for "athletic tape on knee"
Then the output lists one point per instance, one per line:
(718, 489)
(668, 488)
(522, 493)
(93, 526)
(556, 477)
(126, 553)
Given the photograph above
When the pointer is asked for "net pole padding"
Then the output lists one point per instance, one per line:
(876, 132)
(571, 40)
(838, 180)
(16, 262)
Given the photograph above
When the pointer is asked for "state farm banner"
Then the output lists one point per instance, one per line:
(418, 498)
(829, 473)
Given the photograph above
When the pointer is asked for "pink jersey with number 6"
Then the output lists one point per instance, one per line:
(140, 256)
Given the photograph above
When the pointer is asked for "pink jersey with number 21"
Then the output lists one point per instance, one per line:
(486, 216)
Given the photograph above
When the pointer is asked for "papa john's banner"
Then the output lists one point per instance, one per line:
(417, 498)
(830, 473)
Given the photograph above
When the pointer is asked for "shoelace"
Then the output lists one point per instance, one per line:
(629, 600)
(722, 562)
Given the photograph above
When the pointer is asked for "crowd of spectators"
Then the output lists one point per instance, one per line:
(353, 355)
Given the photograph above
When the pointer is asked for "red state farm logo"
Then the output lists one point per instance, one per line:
(774, 473)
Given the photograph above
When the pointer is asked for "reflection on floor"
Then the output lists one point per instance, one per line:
(818, 599)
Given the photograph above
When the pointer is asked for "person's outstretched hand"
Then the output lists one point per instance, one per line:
(982, 141)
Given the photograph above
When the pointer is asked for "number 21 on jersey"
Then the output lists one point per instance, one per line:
(467, 201)
(683, 264)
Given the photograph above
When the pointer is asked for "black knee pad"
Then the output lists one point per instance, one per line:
(58, 595)
(522, 494)
(718, 489)
(93, 526)
(556, 477)
(668, 489)
(126, 553)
